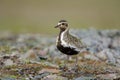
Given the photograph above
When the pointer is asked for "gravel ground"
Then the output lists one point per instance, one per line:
(34, 56)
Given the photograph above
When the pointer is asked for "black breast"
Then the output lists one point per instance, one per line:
(67, 50)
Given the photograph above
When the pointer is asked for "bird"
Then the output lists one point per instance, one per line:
(66, 42)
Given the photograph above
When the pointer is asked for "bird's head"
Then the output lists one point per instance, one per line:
(62, 24)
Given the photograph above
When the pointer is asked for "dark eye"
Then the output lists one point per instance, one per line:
(63, 23)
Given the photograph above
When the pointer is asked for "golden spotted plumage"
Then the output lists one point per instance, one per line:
(67, 43)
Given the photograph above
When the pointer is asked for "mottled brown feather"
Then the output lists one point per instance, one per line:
(72, 40)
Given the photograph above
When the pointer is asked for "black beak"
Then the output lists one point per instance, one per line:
(56, 26)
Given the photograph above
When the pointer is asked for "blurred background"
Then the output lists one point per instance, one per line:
(40, 16)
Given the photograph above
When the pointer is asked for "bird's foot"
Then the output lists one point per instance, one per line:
(75, 68)
(64, 68)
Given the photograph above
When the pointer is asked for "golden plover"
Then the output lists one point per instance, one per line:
(67, 43)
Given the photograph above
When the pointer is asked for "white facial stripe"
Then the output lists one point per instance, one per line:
(59, 23)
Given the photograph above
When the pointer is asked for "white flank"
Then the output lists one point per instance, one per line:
(66, 44)
(62, 40)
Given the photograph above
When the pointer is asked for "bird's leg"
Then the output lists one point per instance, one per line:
(65, 67)
(68, 58)
(75, 67)
(76, 61)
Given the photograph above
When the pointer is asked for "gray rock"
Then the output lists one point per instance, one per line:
(8, 62)
(85, 78)
(7, 78)
(40, 76)
(54, 77)
(108, 76)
